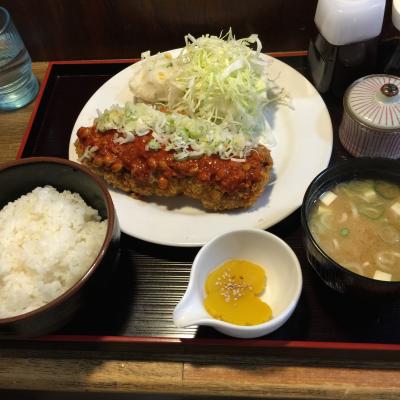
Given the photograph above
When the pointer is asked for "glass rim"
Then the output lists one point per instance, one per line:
(6, 21)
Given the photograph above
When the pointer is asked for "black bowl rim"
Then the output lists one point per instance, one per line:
(111, 217)
(309, 192)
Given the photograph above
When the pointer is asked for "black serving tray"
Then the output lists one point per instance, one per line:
(150, 280)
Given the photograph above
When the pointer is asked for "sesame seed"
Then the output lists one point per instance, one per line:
(232, 286)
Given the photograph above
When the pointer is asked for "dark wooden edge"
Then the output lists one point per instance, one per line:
(34, 112)
(255, 343)
(201, 343)
(281, 54)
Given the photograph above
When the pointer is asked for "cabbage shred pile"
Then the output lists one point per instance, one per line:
(217, 95)
(224, 81)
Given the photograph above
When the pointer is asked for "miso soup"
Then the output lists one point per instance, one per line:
(357, 224)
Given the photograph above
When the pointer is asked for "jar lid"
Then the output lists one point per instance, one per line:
(374, 100)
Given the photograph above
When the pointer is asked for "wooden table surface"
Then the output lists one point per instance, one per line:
(291, 374)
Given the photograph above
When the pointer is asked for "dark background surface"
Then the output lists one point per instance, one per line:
(105, 29)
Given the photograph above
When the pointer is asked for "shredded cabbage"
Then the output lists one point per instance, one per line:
(222, 87)
(224, 80)
(185, 136)
(88, 153)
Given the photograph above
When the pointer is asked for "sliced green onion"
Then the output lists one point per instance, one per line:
(387, 190)
(344, 232)
(388, 234)
(361, 186)
(371, 211)
(154, 145)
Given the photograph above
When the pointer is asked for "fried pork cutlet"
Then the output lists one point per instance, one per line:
(132, 167)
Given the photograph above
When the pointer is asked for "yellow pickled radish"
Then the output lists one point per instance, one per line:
(232, 292)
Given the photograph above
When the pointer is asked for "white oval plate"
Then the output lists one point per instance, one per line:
(303, 149)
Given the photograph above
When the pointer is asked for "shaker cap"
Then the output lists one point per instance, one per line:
(374, 101)
(343, 22)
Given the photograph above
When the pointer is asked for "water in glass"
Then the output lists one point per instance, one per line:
(18, 85)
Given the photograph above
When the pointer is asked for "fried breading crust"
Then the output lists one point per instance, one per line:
(132, 167)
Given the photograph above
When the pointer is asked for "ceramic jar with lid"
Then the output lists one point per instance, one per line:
(370, 125)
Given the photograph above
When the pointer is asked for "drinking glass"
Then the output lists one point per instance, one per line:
(18, 85)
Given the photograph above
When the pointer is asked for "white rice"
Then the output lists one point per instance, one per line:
(48, 240)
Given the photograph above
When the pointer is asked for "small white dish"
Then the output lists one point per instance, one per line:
(283, 289)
